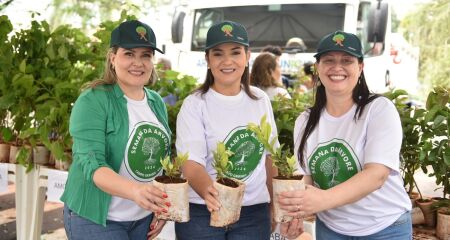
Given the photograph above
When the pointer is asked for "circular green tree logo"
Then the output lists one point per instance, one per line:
(146, 146)
(247, 152)
(332, 163)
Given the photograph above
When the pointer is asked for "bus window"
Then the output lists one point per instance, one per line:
(203, 20)
(273, 24)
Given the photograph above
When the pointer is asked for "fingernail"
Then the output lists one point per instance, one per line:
(158, 213)
(164, 210)
(151, 227)
(164, 195)
(168, 204)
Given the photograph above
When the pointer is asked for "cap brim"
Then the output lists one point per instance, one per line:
(337, 50)
(129, 46)
(227, 41)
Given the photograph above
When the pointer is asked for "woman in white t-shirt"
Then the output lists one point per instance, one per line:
(266, 74)
(220, 110)
(348, 145)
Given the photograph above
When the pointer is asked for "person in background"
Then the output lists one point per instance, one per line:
(276, 50)
(120, 132)
(307, 79)
(295, 45)
(165, 64)
(219, 111)
(348, 145)
(266, 75)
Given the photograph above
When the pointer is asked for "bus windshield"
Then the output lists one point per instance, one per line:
(273, 24)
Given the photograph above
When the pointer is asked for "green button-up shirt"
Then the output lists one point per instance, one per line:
(99, 128)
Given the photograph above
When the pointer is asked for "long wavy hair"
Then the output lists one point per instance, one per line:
(209, 80)
(109, 74)
(361, 96)
(262, 68)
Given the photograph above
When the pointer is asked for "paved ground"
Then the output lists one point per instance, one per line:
(53, 227)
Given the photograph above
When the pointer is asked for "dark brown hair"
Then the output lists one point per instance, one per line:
(275, 50)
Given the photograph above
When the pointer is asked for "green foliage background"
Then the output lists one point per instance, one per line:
(429, 28)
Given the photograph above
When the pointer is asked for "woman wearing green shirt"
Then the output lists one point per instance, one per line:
(120, 132)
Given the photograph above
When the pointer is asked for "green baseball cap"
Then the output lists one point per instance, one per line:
(133, 34)
(342, 42)
(224, 32)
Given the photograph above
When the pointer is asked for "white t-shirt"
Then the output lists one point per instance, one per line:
(274, 91)
(339, 147)
(148, 142)
(207, 119)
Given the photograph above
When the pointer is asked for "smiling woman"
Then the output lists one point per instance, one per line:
(120, 132)
(341, 147)
(219, 111)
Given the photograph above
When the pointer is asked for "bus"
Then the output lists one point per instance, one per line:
(270, 22)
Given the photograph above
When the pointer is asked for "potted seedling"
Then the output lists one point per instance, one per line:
(176, 188)
(231, 191)
(286, 180)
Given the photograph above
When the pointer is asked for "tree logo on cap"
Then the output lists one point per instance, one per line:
(142, 32)
(338, 39)
(227, 29)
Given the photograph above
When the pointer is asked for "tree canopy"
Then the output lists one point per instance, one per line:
(429, 28)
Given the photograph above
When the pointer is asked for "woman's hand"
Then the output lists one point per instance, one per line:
(150, 198)
(303, 203)
(292, 229)
(155, 227)
(211, 198)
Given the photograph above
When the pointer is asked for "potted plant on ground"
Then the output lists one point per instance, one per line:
(176, 188)
(231, 191)
(438, 127)
(413, 152)
(286, 180)
(443, 218)
(6, 101)
(6, 136)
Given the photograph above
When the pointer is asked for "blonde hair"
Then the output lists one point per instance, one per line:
(109, 74)
(262, 68)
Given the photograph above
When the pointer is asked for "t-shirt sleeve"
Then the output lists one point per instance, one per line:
(191, 137)
(299, 127)
(384, 135)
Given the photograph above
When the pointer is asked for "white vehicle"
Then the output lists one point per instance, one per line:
(275, 22)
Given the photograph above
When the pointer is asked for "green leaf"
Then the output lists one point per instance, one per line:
(431, 113)
(7, 134)
(23, 66)
(447, 157)
(438, 121)
(221, 161)
(50, 51)
(62, 52)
